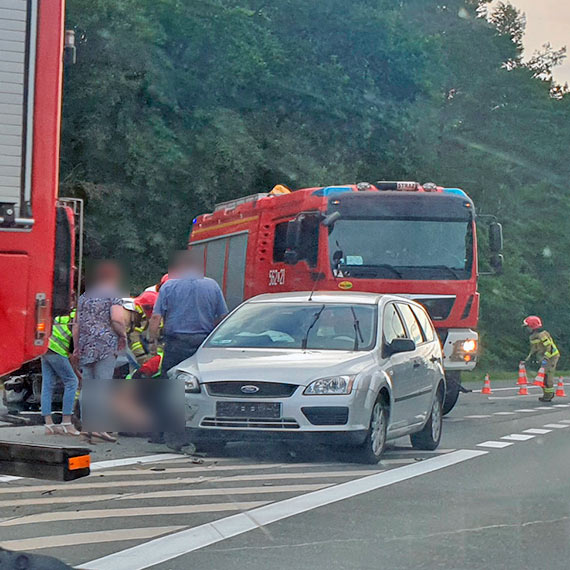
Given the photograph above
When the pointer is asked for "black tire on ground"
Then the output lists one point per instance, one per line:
(452, 391)
(371, 450)
(430, 436)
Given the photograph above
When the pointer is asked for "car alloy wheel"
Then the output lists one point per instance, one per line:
(378, 429)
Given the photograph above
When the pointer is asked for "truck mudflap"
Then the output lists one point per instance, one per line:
(50, 462)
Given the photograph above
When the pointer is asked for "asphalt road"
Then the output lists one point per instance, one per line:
(496, 495)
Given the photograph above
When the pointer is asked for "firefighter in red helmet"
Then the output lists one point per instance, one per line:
(544, 349)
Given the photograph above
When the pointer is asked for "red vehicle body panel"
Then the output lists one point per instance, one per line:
(27, 256)
(263, 275)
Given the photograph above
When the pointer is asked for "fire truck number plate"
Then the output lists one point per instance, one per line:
(276, 277)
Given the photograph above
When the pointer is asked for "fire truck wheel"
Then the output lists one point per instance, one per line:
(452, 391)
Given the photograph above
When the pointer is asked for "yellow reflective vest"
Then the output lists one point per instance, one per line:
(60, 340)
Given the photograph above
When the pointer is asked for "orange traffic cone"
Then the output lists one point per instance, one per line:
(523, 380)
(560, 393)
(539, 380)
(523, 391)
(487, 385)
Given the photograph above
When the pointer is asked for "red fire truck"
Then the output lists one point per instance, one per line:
(37, 230)
(391, 237)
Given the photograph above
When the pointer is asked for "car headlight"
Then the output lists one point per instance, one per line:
(335, 385)
(469, 345)
(191, 383)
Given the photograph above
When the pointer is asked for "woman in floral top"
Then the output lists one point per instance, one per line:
(99, 333)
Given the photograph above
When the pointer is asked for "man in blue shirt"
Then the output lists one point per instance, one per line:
(190, 305)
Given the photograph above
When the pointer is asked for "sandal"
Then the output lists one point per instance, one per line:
(69, 429)
(51, 429)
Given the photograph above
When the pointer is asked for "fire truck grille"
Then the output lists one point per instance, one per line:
(251, 389)
(438, 308)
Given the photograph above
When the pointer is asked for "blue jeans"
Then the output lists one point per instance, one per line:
(55, 366)
(178, 348)
(100, 370)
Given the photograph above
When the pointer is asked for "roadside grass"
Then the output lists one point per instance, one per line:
(479, 374)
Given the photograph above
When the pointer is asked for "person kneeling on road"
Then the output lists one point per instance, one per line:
(544, 349)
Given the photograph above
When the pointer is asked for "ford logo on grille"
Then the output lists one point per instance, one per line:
(249, 389)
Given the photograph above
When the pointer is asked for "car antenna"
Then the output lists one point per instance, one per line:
(316, 278)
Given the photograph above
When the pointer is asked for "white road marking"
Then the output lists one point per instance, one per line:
(494, 444)
(476, 417)
(504, 414)
(166, 548)
(8, 478)
(565, 421)
(524, 411)
(114, 485)
(95, 537)
(562, 405)
(162, 494)
(545, 408)
(556, 426)
(148, 471)
(537, 431)
(517, 437)
(132, 512)
(98, 465)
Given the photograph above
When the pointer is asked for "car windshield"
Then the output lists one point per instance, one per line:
(403, 249)
(310, 325)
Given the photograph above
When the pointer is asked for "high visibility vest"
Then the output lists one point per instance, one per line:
(60, 340)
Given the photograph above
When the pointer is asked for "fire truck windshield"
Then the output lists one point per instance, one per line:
(402, 248)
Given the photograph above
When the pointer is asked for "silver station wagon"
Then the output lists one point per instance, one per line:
(351, 369)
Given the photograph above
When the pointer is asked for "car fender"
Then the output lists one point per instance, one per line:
(379, 380)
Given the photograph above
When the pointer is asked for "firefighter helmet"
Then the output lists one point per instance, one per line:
(146, 301)
(533, 322)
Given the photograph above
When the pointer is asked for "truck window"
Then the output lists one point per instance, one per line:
(279, 242)
(235, 276)
(215, 259)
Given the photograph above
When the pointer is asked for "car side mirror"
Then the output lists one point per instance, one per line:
(400, 345)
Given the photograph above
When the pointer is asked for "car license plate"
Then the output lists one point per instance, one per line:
(248, 410)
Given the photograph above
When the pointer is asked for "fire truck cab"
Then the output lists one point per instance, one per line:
(388, 237)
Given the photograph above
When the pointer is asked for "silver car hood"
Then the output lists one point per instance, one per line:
(287, 366)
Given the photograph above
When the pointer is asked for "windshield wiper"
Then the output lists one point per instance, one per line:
(357, 331)
(316, 317)
(371, 269)
(451, 270)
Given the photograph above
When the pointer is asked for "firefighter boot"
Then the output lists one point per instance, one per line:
(547, 396)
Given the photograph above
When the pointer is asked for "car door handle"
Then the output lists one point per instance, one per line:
(435, 359)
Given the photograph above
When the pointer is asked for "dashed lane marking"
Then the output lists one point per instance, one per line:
(476, 417)
(96, 537)
(494, 444)
(517, 437)
(170, 511)
(228, 491)
(504, 414)
(565, 421)
(561, 406)
(190, 480)
(537, 431)
(556, 426)
(545, 408)
(525, 411)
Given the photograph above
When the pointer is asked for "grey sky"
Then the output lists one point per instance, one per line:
(547, 21)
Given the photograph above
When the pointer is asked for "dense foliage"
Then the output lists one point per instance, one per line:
(177, 104)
